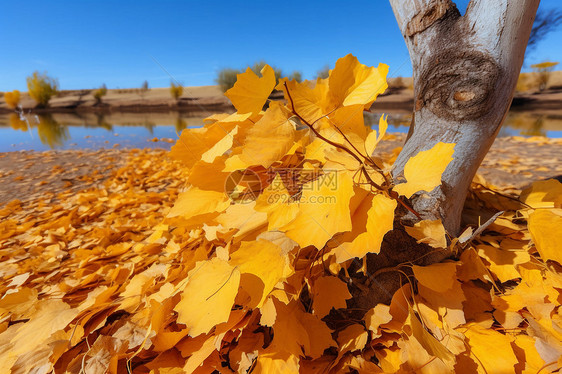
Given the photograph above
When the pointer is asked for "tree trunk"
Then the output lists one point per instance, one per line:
(465, 71)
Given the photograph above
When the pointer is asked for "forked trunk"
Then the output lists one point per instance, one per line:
(465, 71)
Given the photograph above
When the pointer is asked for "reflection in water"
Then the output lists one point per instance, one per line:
(17, 123)
(133, 129)
(101, 122)
(51, 132)
(180, 125)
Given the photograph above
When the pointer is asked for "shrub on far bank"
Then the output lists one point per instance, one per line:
(296, 75)
(144, 89)
(99, 93)
(323, 73)
(226, 78)
(41, 88)
(176, 90)
(544, 70)
(12, 98)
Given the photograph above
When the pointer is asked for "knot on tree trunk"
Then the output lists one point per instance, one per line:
(458, 86)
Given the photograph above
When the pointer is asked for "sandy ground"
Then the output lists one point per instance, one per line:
(512, 162)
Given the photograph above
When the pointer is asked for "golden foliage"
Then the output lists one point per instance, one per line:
(41, 88)
(120, 278)
(12, 99)
(176, 90)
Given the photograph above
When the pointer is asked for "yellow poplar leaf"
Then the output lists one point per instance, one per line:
(423, 171)
(276, 201)
(295, 331)
(503, 262)
(372, 139)
(49, 317)
(268, 313)
(429, 232)
(328, 293)
(220, 147)
(351, 121)
(208, 296)
(266, 261)
(323, 210)
(269, 139)
(380, 220)
(543, 194)
(278, 362)
(208, 177)
(545, 227)
(308, 98)
(353, 83)
(379, 315)
(193, 143)
(433, 346)
(352, 338)
(492, 350)
(527, 354)
(195, 202)
(250, 92)
(438, 277)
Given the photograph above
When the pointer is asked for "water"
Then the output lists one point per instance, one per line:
(160, 129)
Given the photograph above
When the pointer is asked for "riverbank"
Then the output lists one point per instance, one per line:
(399, 97)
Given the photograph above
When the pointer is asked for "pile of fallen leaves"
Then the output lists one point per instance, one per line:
(250, 267)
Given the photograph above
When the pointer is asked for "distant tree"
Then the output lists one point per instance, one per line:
(397, 83)
(324, 72)
(144, 89)
(41, 88)
(545, 22)
(99, 93)
(226, 78)
(296, 75)
(176, 90)
(12, 98)
(544, 70)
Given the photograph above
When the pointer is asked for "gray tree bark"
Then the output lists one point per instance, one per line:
(465, 71)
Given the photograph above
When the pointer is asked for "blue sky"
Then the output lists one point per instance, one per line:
(85, 43)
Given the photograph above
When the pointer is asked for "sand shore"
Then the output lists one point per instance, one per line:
(210, 98)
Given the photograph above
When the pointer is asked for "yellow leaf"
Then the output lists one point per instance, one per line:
(269, 139)
(195, 202)
(543, 194)
(323, 210)
(379, 315)
(380, 220)
(353, 83)
(492, 350)
(328, 293)
(277, 203)
(208, 296)
(220, 147)
(372, 140)
(263, 260)
(545, 228)
(433, 346)
(193, 143)
(423, 171)
(250, 92)
(308, 98)
(503, 262)
(438, 277)
(429, 232)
